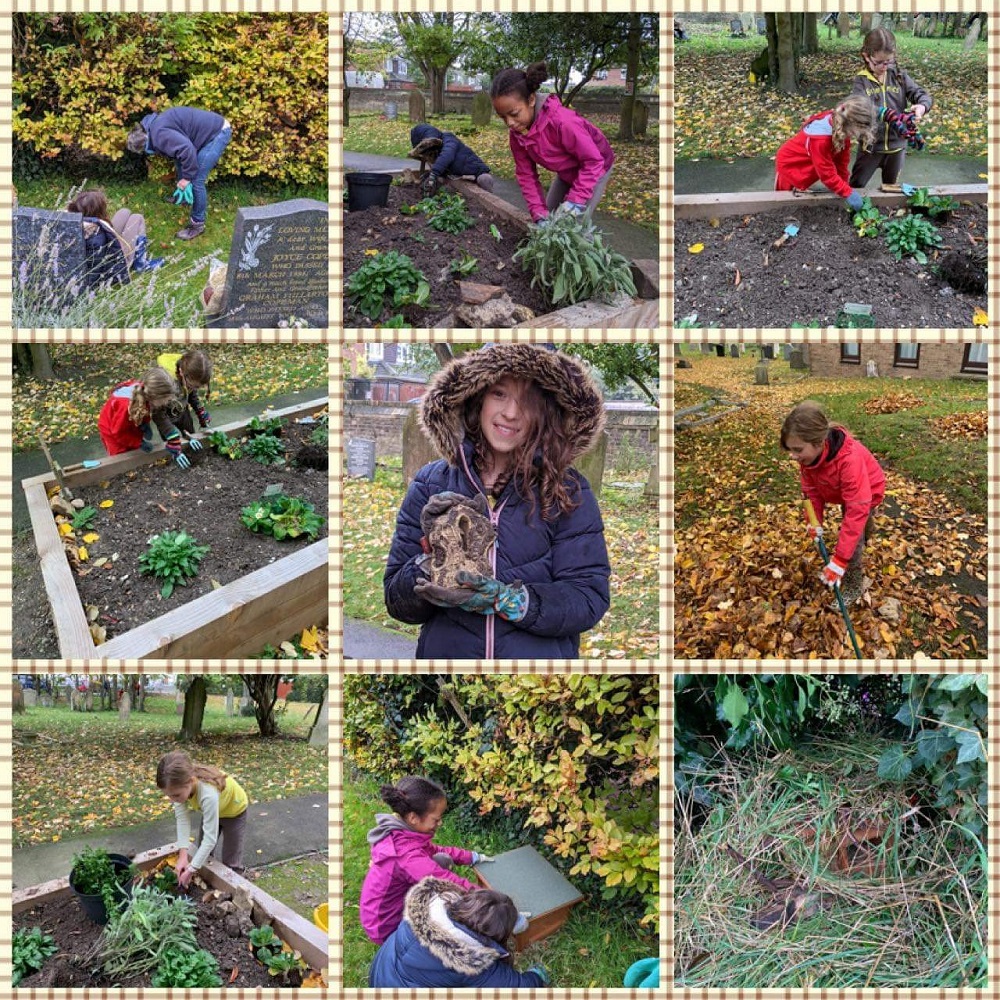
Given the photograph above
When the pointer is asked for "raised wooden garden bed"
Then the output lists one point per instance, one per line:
(297, 932)
(239, 619)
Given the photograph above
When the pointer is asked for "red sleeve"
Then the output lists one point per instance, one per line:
(856, 496)
(831, 168)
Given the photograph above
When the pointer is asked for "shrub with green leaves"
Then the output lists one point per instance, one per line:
(187, 969)
(939, 203)
(265, 425)
(266, 449)
(282, 517)
(173, 558)
(321, 432)
(868, 219)
(226, 446)
(392, 277)
(94, 874)
(911, 235)
(568, 258)
(32, 946)
(445, 211)
(83, 519)
(264, 937)
(946, 716)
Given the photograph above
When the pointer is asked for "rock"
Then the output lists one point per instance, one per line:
(482, 109)
(891, 610)
(646, 275)
(60, 506)
(498, 313)
(684, 363)
(232, 925)
(475, 294)
(78, 504)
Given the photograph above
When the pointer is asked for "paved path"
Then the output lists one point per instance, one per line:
(634, 242)
(284, 828)
(363, 641)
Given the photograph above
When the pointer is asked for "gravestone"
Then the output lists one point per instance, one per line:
(417, 449)
(179, 702)
(360, 458)
(482, 109)
(796, 358)
(30, 697)
(535, 886)
(767, 351)
(760, 373)
(591, 464)
(734, 350)
(278, 268)
(230, 707)
(418, 107)
(49, 257)
(640, 117)
(319, 735)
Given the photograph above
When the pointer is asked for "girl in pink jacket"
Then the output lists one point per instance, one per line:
(402, 853)
(836, 468)
(545, 134)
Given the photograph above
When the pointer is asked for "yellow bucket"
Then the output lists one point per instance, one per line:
(321, 917)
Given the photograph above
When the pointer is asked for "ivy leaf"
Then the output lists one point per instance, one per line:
(932, 745)
(957, 682)
(970, 747)
(735, 706)
(894, 765)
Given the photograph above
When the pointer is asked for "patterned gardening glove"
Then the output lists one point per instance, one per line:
(147, 437)
(815, 531)
(175, 446)
(183, 195)
(490, 596)
(539, 971)
(204, 420)
(833, 573)
(904, 124)
(430, 184)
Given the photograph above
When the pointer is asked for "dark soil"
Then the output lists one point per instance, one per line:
(388, 229)
(741, 279)
(74, 934)
(205, 501)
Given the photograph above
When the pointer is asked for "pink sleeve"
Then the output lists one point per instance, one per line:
(576, 140)
(419, 865)
(527, 178)
(459, 854)
(822, 155)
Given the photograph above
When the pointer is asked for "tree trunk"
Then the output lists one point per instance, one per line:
(787, 82)
(125, 705)
(41, 362)
(771, 25)
(194, 709)
(866, 23)
(347, 105)
(810, 44)
(443, 353)
(843, 23)
(625, 131)
(435, 81)
(972, 35)
(263, 690)
(141, 700)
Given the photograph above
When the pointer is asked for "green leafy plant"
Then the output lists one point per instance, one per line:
(266, 449)
(446, 212)
(225, 445)
(913, 234)
(281, 963)
(188, 969)
(321, 432)
(919, 198)
(173, 557)
(868, 219)
(937, 204)
(391, 275)
(282, 517)
(83, 519)
(94, 874)
(946, 716)
(495, 233)
(164, 879)
(265, 425)
(463, 265)
(264, 937)
(32, 946)
(570, 261)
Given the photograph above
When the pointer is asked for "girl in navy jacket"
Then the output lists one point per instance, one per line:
(509, 420)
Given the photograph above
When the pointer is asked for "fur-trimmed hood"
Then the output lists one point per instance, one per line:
(558, 375)
(455, 946)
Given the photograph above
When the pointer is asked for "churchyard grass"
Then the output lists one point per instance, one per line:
(593, 948)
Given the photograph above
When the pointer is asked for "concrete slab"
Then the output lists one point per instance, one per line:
(363, 641)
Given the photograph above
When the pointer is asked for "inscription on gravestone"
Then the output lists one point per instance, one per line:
(360, 458)
(278, 267)
(49, 260)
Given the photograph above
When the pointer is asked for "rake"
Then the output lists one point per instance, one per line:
(814, 521)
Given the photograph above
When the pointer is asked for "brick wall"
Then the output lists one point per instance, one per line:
(384, 424)
(935, 361)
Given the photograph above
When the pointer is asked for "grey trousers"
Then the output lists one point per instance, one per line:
(866, 164)
(232, 830)
(559, 189)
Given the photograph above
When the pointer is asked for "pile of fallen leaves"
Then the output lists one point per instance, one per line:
(892, 402)
(971, 425)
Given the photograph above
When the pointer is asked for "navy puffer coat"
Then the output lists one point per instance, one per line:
(429, 949)
(455, 158)
(562, 562)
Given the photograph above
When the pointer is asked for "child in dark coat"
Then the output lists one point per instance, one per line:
(452, 939)
(509, 420)
(836, 468)
(453, 158)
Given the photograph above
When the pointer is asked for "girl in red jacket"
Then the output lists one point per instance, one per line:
(822, 150)
(836, 468)
(545, 134)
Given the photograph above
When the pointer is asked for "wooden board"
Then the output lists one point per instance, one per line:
(239, 619)
(717, 204)
(536, 888)
(301, 934)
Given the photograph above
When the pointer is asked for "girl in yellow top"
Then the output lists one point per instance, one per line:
(221, 801)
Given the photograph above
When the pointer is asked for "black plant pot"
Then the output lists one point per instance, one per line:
(920, 209)
(93, 906)
(941, 217)
(367, 190)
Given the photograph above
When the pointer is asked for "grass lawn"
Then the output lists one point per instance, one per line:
(78, 773)
(168, 297)
(629, 629)
(300, 883)
(632, 192)
(711, 76)
(594, 948)
(912, 914)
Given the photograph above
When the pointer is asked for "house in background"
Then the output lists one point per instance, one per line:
(617, 76)
(387, 375)
(899, 360)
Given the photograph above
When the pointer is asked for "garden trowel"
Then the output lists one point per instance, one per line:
(814, 521)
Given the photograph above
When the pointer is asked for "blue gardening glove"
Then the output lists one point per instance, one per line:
(183, 195)
(543, 221)
(175, 446)
(539, 971)
(855, 201)
(195, 444)
(478, 859)
(147, 437)
(574, 208)
(490, 596)
(522, 922)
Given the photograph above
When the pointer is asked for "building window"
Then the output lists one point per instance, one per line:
(404, 354)
(624, 72)
(850, 354)
(375, 352)
(907, 356)
(975, 358)
(601, 74)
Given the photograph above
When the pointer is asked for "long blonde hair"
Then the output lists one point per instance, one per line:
(177, 768)
(155, 391)
(194, 370)
(807, 422)
(853, 118)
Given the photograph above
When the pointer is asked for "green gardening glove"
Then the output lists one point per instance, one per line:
(184, 195)
(490, 596)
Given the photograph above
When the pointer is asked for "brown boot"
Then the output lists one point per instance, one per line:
(191, 230)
